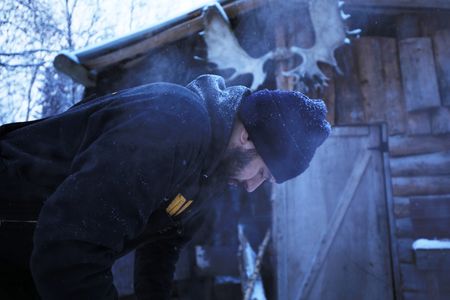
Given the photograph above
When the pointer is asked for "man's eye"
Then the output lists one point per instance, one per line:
(264, 175)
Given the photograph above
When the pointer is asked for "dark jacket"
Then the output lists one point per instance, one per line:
(107, 173)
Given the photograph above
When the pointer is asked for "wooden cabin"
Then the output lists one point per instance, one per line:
(345, 228)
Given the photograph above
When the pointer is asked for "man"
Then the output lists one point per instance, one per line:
(135, 170)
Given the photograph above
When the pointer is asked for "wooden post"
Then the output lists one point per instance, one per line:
(390, 203)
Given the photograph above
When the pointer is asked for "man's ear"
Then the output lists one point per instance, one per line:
(244, 139)
(239, 137)
(243, 136)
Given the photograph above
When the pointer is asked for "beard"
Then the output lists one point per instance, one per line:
(234, 161)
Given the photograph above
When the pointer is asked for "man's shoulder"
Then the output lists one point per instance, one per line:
(169, 97)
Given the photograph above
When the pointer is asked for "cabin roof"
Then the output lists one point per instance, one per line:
(83, 65)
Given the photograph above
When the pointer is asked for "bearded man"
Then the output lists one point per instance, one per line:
(135, 170)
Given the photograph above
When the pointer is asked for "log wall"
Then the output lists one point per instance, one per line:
(404, 81)
(399, 74)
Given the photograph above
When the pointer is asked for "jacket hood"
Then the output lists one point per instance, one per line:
(222, 103)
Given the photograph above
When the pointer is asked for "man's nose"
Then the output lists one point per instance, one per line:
(253, 184)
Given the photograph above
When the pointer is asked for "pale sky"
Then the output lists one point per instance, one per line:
(112, 19)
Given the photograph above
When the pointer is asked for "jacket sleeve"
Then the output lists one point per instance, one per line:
(154, 268)
(120, 175)
(155, 262)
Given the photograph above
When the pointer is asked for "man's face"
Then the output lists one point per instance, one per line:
(245, 168)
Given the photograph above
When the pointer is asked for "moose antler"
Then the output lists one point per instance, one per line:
(330, 33)
(327, 19)
(224, 49)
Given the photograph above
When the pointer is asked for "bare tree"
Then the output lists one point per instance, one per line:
(32, 32)
(23, 47)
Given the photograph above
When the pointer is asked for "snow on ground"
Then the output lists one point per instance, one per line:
(431, 244)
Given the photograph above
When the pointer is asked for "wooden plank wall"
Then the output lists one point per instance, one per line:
(404, 80)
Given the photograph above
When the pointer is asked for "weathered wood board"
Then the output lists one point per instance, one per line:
(410, 145)
(418, 74)
(395, 109)
(349, 98)
(422, 164)
(421, 185)
(404, 228)
(430, 207)
(431, 227)
(419, 123)
(436, 259)
(441, 46)
(413, 279)
(440, 120)
(430, 216)
(406, 254)
(424, 296)
(407, 26)
(330, 223)
(380, 82)
(401, 207)
(370, 71)
(420, 282)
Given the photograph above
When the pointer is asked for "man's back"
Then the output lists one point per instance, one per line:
(100, 170)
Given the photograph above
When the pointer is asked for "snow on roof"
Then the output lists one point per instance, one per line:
(421, 244)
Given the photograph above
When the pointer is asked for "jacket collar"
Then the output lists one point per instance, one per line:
(221, 103)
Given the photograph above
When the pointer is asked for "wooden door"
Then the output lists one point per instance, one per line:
(331, 233)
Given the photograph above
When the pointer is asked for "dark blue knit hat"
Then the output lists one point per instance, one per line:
(286, 127)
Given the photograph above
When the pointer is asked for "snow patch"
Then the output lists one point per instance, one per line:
(227, 279)
(200, 257)
(430, 244)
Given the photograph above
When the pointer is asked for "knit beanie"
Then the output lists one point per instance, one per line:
(286, 128)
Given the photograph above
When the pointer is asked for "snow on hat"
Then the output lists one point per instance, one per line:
(286, 128)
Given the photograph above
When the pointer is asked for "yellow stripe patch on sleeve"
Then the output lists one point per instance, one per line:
(176, 203)
(186, 205)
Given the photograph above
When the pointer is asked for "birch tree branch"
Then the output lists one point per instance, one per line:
(27, 52)
(251, 282)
